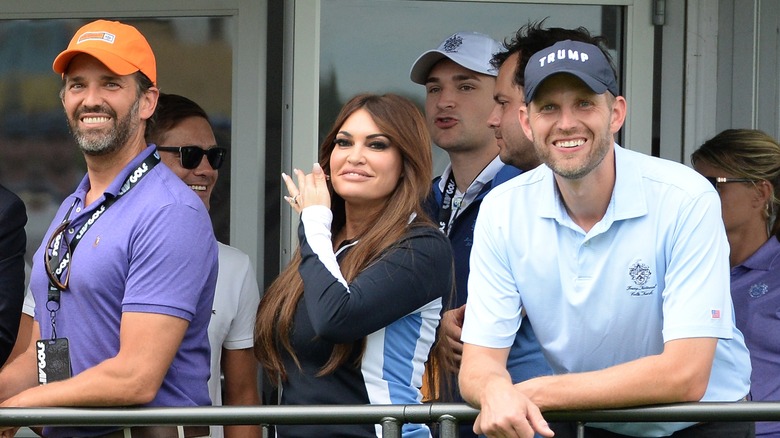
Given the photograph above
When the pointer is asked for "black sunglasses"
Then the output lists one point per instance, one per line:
(715, 180)
(190, 156)
(52, 260)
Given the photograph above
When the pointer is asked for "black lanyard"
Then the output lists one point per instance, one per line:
(445, 213)
(446, 217)
(53, 303)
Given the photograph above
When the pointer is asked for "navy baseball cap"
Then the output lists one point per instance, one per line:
(583, 60)
(471, 50)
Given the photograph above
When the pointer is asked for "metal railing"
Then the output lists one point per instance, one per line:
(391, 417)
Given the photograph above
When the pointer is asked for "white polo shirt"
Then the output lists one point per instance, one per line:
(232, 322)
(654, 269)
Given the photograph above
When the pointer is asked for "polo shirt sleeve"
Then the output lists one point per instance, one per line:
(493, 307)
(241, 334)
(697, 299)
(173, 262)
(28, 308)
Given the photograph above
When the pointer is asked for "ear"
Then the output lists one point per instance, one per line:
(523, 115)
(618, 114)
(148, 103)
(763, 193)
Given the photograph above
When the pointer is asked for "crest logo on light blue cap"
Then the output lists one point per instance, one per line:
(453, 43)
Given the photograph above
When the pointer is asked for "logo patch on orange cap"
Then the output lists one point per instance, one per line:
(97, 36)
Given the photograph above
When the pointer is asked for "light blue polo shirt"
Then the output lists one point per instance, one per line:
(654, 269)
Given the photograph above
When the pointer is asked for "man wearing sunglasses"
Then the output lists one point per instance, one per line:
(183, 134)
(123, 293)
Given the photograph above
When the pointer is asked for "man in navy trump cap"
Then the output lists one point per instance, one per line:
(585, 61)
(618, 259)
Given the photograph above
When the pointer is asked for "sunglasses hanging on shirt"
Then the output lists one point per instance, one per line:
(190, 156)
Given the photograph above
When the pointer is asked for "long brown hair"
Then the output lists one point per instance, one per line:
(403, 124)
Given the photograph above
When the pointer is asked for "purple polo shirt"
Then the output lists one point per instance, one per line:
(152, 251)
(755, 290)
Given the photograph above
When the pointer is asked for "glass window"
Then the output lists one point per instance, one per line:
(339, 48)
(370, 45)
(38, 157)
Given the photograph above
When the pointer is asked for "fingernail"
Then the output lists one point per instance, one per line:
(284, 175)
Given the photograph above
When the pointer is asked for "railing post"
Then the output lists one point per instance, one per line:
(580, 429)
(391, 428)
(266, 430)
(448, 427)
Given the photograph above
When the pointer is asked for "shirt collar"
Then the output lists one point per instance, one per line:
(119, 180)
(767, 256)
(484, 177)
(628, 196)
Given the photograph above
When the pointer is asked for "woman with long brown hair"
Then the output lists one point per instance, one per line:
(352, 318)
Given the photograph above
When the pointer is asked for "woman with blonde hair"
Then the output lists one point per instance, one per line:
(352, 318)
(744, 166)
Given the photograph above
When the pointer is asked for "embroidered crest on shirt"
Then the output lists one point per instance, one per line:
(640, 274)
(758, 290)
(453, 43)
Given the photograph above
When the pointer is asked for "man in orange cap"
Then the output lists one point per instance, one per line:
(123, 291)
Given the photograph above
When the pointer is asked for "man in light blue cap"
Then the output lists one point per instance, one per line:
(619, 260)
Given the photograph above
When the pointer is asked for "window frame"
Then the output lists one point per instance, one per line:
(248, 107)
(300, 145)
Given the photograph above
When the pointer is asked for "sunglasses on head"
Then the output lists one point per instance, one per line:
(717, 180)
(190, 156)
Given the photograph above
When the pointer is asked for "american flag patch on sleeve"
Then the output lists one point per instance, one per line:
(715, 314)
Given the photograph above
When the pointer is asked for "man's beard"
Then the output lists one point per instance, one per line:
(579, 169)
(96, 143)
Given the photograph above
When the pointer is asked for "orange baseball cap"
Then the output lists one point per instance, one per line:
(120, 47)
